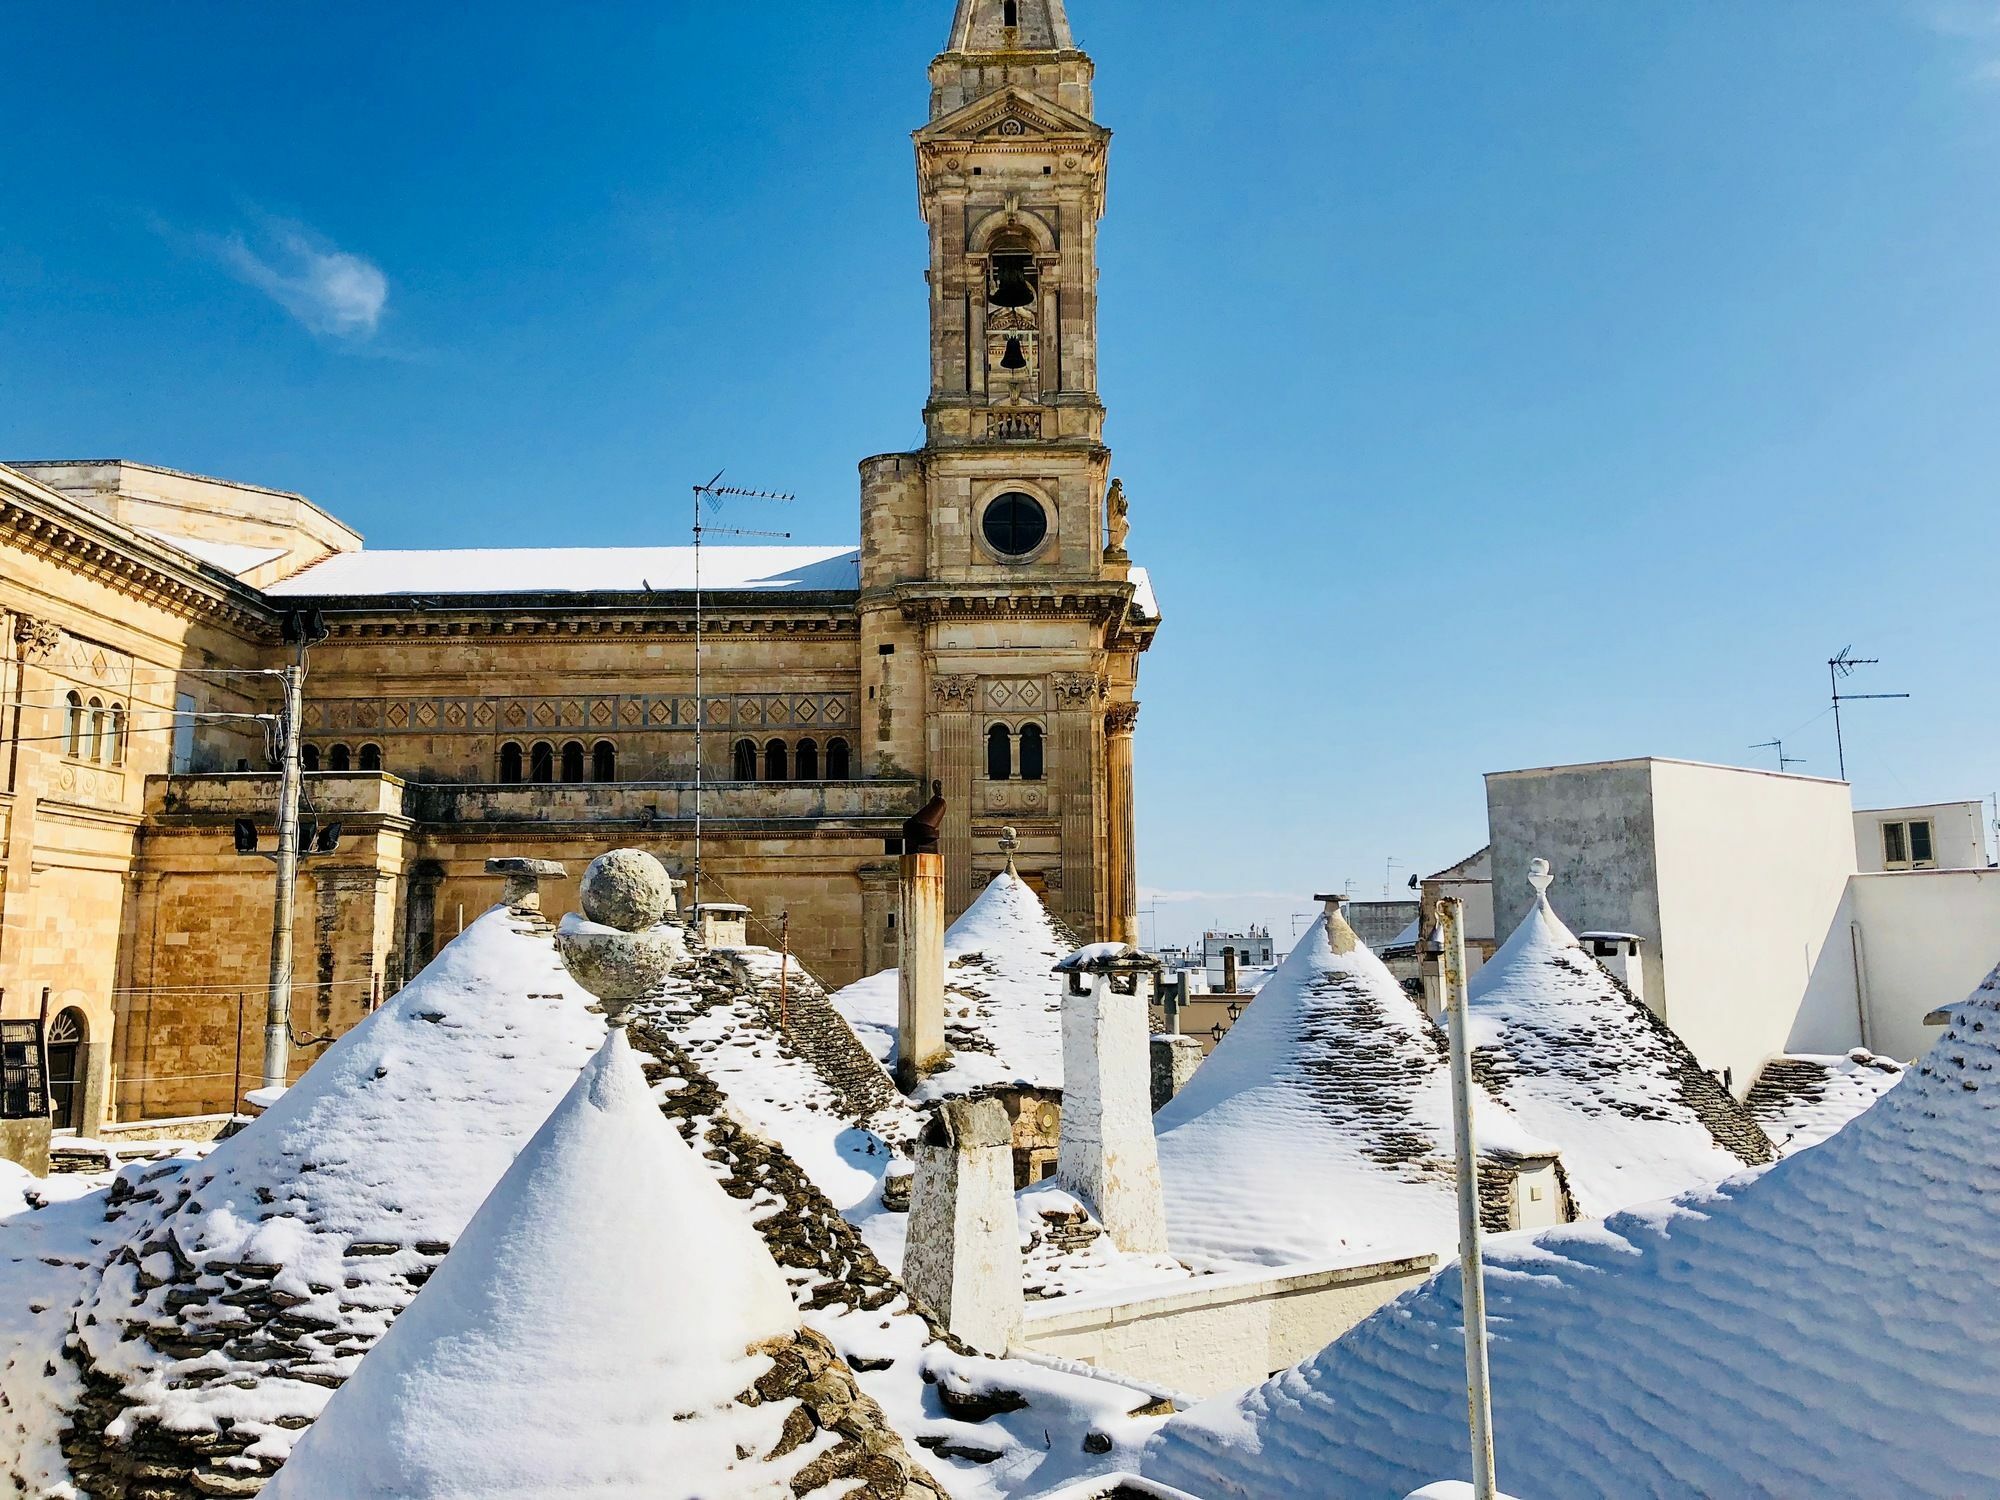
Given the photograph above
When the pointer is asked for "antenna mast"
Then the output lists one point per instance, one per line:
(712, 494)
(1839, 666)
(1784, 760)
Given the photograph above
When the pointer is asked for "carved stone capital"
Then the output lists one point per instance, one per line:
(1074, 689)
(959, 689)
(38, 639)
(1121, 718)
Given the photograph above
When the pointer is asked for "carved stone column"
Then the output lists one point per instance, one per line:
(1075, 777)
(1122, 921)
(954, 696)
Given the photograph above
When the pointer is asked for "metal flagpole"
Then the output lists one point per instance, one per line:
(1472, 1278)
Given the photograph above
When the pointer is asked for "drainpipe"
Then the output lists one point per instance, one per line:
(1861, 1006)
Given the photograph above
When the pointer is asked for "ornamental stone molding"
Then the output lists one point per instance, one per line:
(38, 639)
(1074, 689)
(1121, 718)
(955, 688)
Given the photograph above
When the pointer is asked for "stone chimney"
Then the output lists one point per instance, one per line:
(1108, 1156)
(1175, 1058)
(1229, 971)
(963, 1260)
(1339, 936)
(1621, 953)
(523, 891)
(920, 1047)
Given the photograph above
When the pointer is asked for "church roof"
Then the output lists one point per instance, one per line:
(608, 1318)
(1320, 1127)
(576, 570)
(1825, 1327)
(1582, 1062)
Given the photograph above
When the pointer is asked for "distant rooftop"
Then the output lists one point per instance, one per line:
(577, 570)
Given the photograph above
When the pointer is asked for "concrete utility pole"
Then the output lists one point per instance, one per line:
(1478, 1387)
(278, 1004)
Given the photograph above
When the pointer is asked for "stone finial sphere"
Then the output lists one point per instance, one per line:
(627, 889)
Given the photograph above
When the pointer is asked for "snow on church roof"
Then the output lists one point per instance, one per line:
(1826, 1327)
(1003, 1005)
(1320, 1127)
(1580, 1061)
(577, 570)
(595, 1330)
(249, 1292)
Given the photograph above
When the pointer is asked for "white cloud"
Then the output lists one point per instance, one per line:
(331, 291)
(1974, 22)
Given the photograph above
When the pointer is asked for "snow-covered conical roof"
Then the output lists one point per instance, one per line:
(1320, 1127)
(1826, 1327)
(1003, 1010)
(1584, 1064)
(245, 1296)
(594, 1331)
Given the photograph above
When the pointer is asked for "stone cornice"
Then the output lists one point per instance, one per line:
(1101, 603)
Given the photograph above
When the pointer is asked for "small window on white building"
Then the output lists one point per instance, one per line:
(1908, 846)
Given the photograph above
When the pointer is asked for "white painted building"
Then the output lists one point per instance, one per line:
(1760, 931)
(1936, 836)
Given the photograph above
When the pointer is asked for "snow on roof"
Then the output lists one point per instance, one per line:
(591, 1332)
(293, 1245)
(1144, 603)
(1802, 1099)
(1581, 1062)
(236, 558)
(1320, 1127)
(1003, 1005)
(1826, 1327)
(578, 570)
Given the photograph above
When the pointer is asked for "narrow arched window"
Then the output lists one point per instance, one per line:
(839, 763)
(1031, 752)
(371, 757)
(93, 731)
(309, 757)
(510, 763)
(999, 753)
(340, 758)
(746, 760)
(73, 726)
(776, 762)
(114, 735)
(805, 766)
(541, 763)
(604, 761)
(572, 761)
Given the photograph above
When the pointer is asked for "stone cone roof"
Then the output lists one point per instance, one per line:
(1580, 1061)
(1826, 1327)
(608, 1318)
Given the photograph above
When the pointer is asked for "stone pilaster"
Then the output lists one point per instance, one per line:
(1075, 696)
(1122, 876)
(954, 698)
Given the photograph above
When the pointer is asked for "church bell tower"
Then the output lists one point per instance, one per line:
(1000, 629)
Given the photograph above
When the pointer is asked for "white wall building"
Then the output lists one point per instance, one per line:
(1936, 836)
(1760, 932)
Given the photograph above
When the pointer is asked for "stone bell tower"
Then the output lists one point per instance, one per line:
(999, 624)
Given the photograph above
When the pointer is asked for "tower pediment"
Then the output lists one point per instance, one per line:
(1011, 112)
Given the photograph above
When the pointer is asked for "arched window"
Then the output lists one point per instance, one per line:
(93, 731)
(1031, 752)
(340, 758)
(114, 735)
(746, 760)
(839, 765)
(775, 768)
(73, 726)
(541, 763)
(371, 757)
(805, 766)
(309, 757)
(999, 753)
(604, 761)
(572, 761)
(65, 1059)
(510, 763)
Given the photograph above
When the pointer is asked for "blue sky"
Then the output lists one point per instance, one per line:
(1495, 385)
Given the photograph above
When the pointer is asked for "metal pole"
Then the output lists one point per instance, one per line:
(236, 1068)
(700, 707)
(1839, 744)
(278, 1007)
(1478, 1386)
(784, 969)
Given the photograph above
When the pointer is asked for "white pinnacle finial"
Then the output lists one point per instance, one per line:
(1540, 877)
(1009, 842)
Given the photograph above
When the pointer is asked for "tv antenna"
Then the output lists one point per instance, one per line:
(712, 495)
(1839, 667)
(1784, 760)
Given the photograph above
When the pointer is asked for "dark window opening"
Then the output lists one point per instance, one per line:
(541, 763)
(1920, 843)
(572, 761)
(510, 764)
(999, 753)
(1010, 13)
(746, 761)
(73, 726)
(65, 1053)
(776, 762)
(22, 1096)
(604, 761)
(839, 762)
(309, 757)
(805, 766)
(371, 757)
(1015, 524)
(1031, 752)
(340, 758)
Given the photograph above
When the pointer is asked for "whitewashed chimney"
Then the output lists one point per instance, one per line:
(920, 1046)
(963, 1259)
(1108, 1156)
